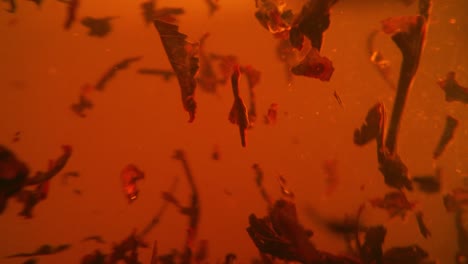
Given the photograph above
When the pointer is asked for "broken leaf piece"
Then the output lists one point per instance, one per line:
(453, 90)
(97, 257)
(166, 74)
(80, 107)
(456, 199)
(72, 8)
(130, 175)
(13, 175)
(230, 258)
(127, 250)
(371, 249)
(215, 155)
(37, 2)
(192, 211)
(272, 115)
(55, 166)
(312, 22)
(31, 261)
(280, 235)
(98, 239)
(276, 241)
(429, 183)
(405, 255)
(181, 55)
(259, 182)
(314, 66)
(394, 170)
(148, 9)
(122, 65)
(425, 232)
(395, 203)
(238, 114)
(31, 198)
(16, 137)
(43, 250)
(273, 15)
(449, 131)
(168, 14)
(85, 102)
(201, 254)
(68, 174)
(372, 127)
(213, 6)
(12, 6)
(98, 27)
(408, 33)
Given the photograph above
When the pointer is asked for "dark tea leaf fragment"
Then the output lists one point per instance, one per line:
(168, 14)
(30, 198)
(83, 105)
(72, 8)
(230, 258)
(37, 2)
(425, 232)
(272, 114)
(54, 167)
(394, 170)
(213, 6)
(453, 90)
(395, 203)
(215, 155)
(95, 238)
(372, 127)
(43, 250)
(280, 235)
(110, 74)
(371, 250)
(192, 211)
(455, 200)
(413, 254)
(166, 74)
(127, 250)
(447, 135)
(97, 257)
(259, 182)
(181, 55)
(16, 137)
(273, 16)
(13, 175)
(12, 6)
(238, 114)
(312, 22)
(98, 27)
(429, 183)
(314, 66)
(31, 261)
(408, 33)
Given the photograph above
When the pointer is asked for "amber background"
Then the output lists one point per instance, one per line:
(139, 119)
